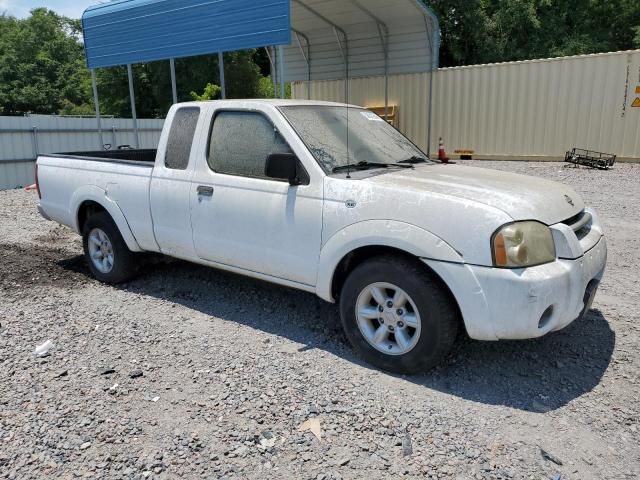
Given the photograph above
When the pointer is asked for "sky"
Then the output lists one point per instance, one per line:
(68, 8)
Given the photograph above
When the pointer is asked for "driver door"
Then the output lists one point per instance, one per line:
(242, 219)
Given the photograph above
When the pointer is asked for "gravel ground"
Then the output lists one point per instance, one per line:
(227, 368)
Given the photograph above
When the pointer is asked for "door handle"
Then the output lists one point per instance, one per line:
(205, 191)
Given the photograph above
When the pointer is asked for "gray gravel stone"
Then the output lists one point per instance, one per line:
(239, 365)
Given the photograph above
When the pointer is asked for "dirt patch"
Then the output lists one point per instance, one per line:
(62, 237)
(23, 267)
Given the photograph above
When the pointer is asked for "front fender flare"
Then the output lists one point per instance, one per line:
(100, 196)
(382, 233)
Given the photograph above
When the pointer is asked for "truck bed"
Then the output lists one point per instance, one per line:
(119, 180)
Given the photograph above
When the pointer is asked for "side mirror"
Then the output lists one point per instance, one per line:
(284, 166)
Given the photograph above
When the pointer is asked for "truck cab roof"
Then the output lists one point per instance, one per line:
(277, 102)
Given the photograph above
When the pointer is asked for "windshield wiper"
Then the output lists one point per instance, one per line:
(366, 165)
(413, 160)
(359, 166)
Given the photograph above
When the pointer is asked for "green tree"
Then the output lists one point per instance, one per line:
(464, 31)
(266, 88)
(483, 31)
(41, 63)
(211, 92)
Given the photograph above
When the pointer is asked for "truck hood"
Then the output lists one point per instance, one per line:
(522, 197)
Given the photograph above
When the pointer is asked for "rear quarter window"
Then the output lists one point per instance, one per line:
(180, 140)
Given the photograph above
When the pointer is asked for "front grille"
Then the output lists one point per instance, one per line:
(580, 224)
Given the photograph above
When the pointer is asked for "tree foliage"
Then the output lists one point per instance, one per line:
(211, 92)
(41, 63)
(43, 70)
(485, 31)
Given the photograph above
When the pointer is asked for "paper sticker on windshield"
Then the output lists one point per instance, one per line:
(372, 117)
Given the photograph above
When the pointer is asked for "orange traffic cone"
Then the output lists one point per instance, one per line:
(442, 154)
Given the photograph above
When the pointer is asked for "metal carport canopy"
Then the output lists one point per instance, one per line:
(316, 39)
(373, 37)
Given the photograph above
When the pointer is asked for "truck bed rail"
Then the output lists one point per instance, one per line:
(139, 155)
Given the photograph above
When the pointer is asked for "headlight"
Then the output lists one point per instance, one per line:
(523, 244)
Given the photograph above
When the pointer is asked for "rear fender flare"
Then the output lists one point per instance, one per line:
(100, 196)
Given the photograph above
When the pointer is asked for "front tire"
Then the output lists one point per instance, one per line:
(397, 315)
(106, 252)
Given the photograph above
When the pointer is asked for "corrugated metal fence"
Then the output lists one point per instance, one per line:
(536, 109)
(23, 138)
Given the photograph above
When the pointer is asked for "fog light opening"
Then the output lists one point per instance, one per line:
(546, 317)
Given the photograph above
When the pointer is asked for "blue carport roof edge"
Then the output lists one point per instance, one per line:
(375, 37)
(135, 31)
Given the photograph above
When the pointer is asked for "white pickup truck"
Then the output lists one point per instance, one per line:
(413, 250)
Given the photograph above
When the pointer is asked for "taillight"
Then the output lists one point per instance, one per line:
(38, 184)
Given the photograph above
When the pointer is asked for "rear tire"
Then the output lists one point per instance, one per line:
(106, 252)
(397, 315)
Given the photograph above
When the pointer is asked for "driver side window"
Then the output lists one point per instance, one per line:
(240, 143)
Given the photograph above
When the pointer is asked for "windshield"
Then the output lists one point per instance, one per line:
(371, 140)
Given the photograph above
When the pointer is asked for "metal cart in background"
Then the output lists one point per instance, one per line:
(588, 158)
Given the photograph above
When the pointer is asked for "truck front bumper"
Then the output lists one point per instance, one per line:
(525, 303)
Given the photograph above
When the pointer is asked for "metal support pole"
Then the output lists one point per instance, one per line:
(344, 51)
(274, 71)
(346, 68)
(174, 89)
(434, 48)
(433, 40)
(386, 95)
(132, 97)
(36, 146)
(345, 55)
(281, 70)
(223, 85)
(272, 63)
(430, 113)
(307, 58)
(96, 102)
(383, 33)
(114, 143)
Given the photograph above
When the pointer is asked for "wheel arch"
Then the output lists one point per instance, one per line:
(86, 210)
(360, 255)
(92, 200)
(356, 243)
